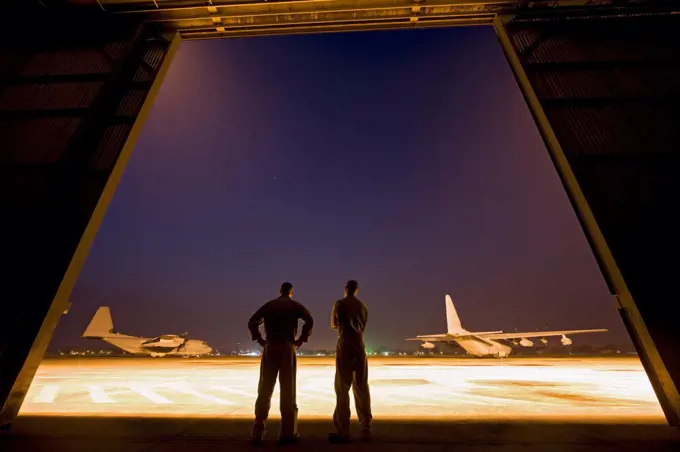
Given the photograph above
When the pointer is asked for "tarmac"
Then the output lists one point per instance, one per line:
(611, 389)
(579, 405)
(98, 434)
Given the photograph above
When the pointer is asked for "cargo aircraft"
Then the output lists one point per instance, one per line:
(487, 343)
(101, 327)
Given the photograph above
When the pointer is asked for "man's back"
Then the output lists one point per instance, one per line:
(349, 317)
(280, 317)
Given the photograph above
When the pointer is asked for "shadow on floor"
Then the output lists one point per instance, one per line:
(76, 434)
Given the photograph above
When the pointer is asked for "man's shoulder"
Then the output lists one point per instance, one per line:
(276, 303)
(352, 300)
(359, 303)
(349, 301)
(297, 304)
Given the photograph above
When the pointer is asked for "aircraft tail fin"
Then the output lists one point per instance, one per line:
(101, 324)
(453, 324)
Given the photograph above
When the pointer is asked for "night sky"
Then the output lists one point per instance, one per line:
(406, 160)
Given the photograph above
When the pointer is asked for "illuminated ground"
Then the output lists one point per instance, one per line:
(614, 389)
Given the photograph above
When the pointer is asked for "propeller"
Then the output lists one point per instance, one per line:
(184, 343)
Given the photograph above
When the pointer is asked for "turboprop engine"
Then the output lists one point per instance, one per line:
(565, 340)
(427, 345)
(526, 343)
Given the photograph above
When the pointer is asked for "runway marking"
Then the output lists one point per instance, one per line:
(98, 395)
(317, 396)
(47, 394)
(149, 394)
(250, 395)
(185, 389)
(452, 388)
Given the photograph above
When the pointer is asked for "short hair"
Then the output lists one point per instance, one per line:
(286, 288)
(352, 286)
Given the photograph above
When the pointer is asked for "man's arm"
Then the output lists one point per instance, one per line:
(307, 325)
(334, 316)
(254, 324)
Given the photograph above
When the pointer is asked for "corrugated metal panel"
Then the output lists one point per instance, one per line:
(115, 49)
(610, 40)
(143, 75)
(628, 105)
(49, 96)
(615, 130)
(35, 141)
(131, 103)
(525, 38)
(557, 48)
(154, 56)
(617, 82)
(60, 62)
(27, 138)
(110, 146)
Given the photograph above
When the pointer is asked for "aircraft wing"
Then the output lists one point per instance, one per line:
(430, 338)
(535, 334)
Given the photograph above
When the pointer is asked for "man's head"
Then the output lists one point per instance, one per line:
(286, 289)
(351, 288)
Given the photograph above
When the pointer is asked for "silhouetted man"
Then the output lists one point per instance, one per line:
(280, 317)
(349, 317)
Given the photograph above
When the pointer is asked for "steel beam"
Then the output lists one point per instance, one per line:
(571, 172)
(52, 207)
(228, 18)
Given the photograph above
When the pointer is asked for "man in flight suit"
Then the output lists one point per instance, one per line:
(349, 317)
(280, 317)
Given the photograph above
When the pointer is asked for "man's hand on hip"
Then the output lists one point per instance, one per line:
(262, 342)
(298, 343)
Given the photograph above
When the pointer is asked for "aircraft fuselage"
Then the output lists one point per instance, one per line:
(483, 347)
(143, 346)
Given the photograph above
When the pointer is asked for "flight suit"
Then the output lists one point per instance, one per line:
(280, 317)
(349, 317)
